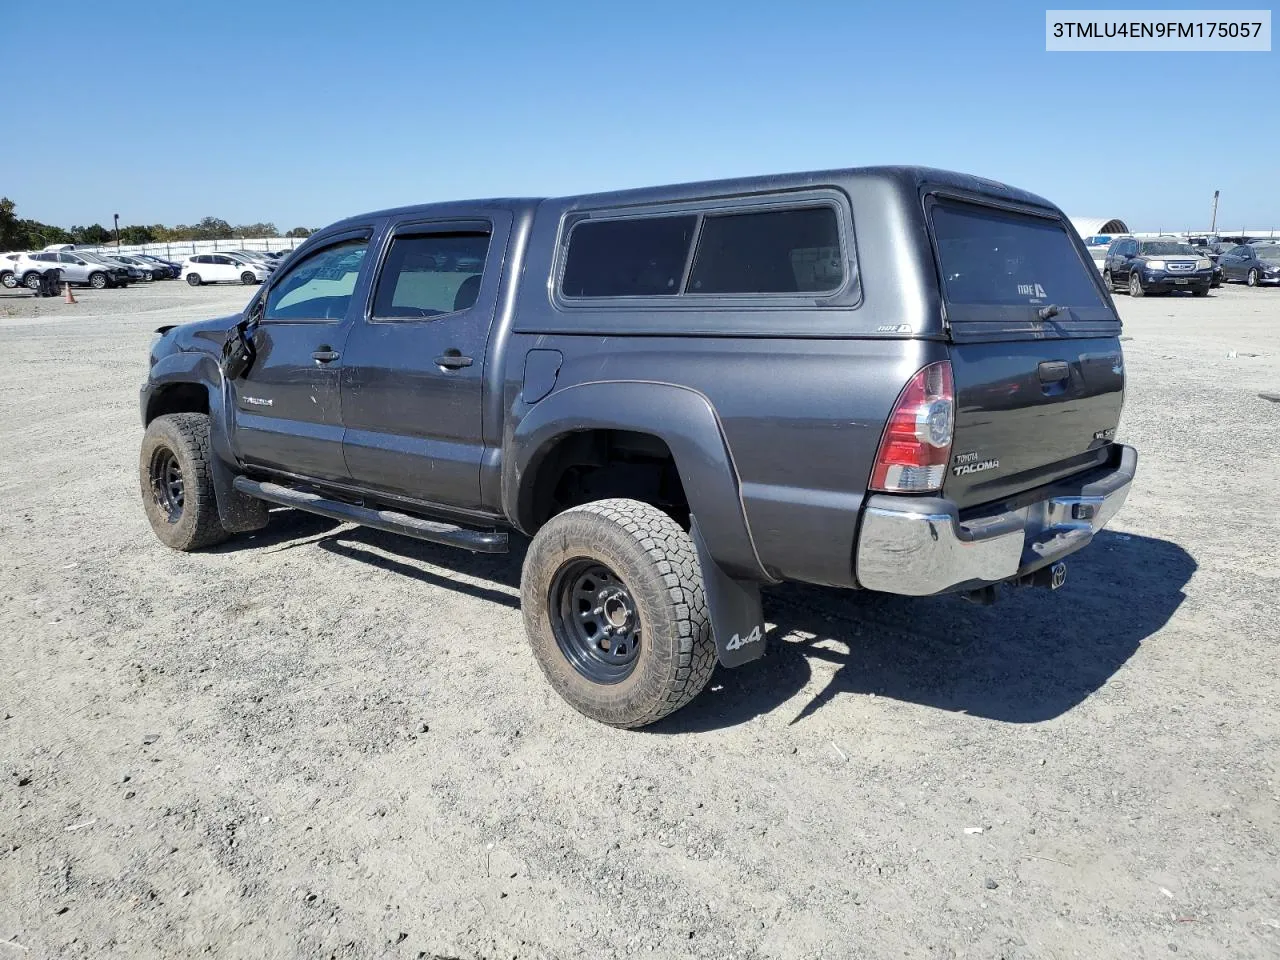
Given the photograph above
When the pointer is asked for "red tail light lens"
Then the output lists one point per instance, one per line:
(916, 445)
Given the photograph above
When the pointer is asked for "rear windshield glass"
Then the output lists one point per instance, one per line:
(641, 257)
(991, 256)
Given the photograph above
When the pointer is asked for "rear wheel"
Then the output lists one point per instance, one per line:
(1108, 281)
(31, 281)
(98, 281)
(194, 279)
(8, 279)
(176, 474)
(614, 609)
(248, 278)
(1252, 278)
(1135, 284)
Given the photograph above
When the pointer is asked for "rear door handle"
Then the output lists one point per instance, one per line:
(1051, 371)
(453, 360)
(325, 356)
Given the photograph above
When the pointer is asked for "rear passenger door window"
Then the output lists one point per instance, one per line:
(772, 251)
(320, 286)
(637, 257)
(429, 276)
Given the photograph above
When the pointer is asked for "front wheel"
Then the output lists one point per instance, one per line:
(1252, 278)
(31, 281)
(614, 609)
(193, 279)
(1108, 282)
(1200, 292)
(98, 281)
(248, 278)
(1135, 284)
(175, 470)
(9, 280)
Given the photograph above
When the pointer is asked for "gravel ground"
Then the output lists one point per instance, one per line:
(326, 742)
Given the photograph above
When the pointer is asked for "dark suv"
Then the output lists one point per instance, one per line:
(893, 379)
(1156, 266)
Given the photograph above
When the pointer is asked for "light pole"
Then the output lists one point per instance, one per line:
(1214, 220)
(116, 217)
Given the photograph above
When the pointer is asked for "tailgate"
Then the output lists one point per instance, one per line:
(1035, 355)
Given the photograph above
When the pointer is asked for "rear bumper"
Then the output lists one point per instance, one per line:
(922, 546)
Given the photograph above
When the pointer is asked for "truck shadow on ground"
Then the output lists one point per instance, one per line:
(1029, 658)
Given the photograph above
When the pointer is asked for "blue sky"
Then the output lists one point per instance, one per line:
(302, 113)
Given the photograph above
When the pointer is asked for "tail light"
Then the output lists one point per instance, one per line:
(916, 445)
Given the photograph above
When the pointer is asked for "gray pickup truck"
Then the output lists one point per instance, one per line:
(894, 379)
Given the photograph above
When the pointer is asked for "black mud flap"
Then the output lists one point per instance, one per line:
(737, 621)
(237, 512)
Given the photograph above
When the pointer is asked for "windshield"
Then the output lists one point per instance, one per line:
(990, 256)
(1167, 248)
(1268, 253)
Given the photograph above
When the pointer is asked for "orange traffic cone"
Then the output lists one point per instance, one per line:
(67, 295)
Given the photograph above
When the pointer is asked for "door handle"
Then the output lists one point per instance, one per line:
(325, 356)
(1052, 371)
(453, 360)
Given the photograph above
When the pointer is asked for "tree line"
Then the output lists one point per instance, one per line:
(19, 234)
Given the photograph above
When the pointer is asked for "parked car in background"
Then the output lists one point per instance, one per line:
(222, 268)
(80, 269)
(252, 256)
(136, 274)
(171, 269)
(1156, 266)
(1253, 263)
(148, 270)
(7, 277)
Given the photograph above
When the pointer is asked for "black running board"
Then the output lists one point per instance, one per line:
(477, 541)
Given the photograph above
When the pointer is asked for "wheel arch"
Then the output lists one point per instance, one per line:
(191, 382)
(679, 418)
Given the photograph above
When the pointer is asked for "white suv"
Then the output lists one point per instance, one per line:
(221, 268)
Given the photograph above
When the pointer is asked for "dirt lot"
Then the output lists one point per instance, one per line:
(322, 741)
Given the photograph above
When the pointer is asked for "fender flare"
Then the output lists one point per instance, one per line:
(686, 421)
(238, 512)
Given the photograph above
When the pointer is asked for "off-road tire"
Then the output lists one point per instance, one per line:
(193, 279)
(98, 281)
(1135, 284)
(655, 560)
(186, 437)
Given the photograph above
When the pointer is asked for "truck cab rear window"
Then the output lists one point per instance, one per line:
(997, 257)
(640, 257)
